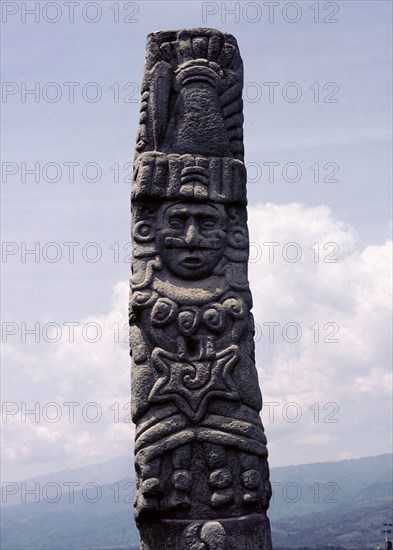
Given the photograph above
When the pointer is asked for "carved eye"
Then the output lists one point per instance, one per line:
(208, 224)
(175, 223)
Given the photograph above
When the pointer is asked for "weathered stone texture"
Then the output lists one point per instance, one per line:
(200, 448)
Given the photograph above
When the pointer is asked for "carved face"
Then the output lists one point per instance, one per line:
(192, 239)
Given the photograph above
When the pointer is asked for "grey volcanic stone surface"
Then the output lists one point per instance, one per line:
(200, 449)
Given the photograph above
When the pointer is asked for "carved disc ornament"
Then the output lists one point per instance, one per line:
(200, 448)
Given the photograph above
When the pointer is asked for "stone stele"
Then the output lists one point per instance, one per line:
(200, 448)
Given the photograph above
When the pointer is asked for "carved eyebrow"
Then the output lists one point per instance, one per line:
(183, 210)
(207, 216)
(178, 211)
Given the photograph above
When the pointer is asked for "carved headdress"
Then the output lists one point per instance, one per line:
(190, 141)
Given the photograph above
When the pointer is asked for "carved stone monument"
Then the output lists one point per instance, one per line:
(200, 449)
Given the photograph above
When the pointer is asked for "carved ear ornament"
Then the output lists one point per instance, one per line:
(143, 232)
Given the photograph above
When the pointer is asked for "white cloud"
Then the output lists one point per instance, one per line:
(78, 388)
(346, 353)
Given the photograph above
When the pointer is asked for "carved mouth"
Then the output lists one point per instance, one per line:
(192, 262)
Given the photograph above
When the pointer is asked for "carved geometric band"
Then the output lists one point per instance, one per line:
(192, 177)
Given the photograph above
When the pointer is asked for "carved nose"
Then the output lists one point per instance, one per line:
(191, 238)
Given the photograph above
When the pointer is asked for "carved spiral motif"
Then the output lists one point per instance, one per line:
(143, 232)
(164, 312)
(143, 298)
(236, 308)
(195, 375)
(214, 317)
(188, 321)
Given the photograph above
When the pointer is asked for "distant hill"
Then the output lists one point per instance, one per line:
(331, 504)
(359, 527)
(328, 486)
(102, 473)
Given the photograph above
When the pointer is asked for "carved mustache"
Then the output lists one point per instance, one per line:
(203, 242)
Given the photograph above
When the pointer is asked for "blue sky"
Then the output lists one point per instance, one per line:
(331, 110)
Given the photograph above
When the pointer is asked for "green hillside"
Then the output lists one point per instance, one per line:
(334, 505)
